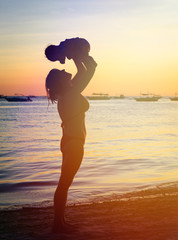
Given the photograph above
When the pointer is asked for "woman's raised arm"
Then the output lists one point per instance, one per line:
(85, 71)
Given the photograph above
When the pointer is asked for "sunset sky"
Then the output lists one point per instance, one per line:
(134, 42)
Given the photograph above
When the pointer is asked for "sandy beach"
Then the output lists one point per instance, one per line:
(143, 216)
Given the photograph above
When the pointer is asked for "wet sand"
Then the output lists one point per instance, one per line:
(139, 217)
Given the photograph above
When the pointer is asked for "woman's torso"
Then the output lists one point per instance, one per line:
(72, 110)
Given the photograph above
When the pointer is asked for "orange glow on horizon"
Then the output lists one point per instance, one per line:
(135, 48)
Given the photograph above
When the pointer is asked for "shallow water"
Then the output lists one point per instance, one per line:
(130, 146)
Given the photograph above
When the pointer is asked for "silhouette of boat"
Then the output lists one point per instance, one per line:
(2, 96)
(99, 96)
(18, 99)
(32, 96)
(175, 98)
(147, 97)
(119, 97)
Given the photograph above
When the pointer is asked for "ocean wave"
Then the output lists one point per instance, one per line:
(12, 187)
(147, 192)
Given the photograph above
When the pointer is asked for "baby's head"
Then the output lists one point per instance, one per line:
(53, 54)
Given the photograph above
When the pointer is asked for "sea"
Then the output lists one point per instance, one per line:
(130, 147)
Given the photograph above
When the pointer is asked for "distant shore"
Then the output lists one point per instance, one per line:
(140, 217)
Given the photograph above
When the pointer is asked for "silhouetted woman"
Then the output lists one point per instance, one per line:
(64, 89)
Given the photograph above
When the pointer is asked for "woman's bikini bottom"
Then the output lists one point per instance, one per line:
(70, 143)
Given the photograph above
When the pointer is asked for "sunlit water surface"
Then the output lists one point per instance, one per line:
(130, 146)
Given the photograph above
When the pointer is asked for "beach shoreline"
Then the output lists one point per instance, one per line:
(143, 216)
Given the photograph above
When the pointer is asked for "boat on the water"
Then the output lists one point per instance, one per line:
(119, 97)
(147, 97)
(99, 96)
(18, 99)
(175, 98)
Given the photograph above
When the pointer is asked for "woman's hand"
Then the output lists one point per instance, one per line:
(89, 62)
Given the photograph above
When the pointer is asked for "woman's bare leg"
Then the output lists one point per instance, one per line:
(70, 165)
(60, 199)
